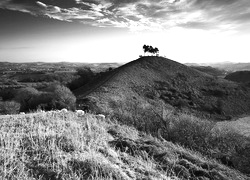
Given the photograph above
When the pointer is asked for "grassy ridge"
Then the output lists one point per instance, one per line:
(56, 145)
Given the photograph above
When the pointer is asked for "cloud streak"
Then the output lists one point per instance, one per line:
(139, 15)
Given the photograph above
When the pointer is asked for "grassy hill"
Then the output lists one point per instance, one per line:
(59, 146)
(154, 84)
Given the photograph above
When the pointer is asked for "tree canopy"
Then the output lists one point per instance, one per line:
(150, 49)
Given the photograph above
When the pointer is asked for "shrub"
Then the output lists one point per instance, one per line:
(9, 107)
(63, 97)
(53, 97)
(85, 75)
(7, 93)
(42, 101)
(190, 132)
(25, 96)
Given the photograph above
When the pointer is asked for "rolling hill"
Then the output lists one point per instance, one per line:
(156, 84)
(239, 76)
(227, 66)
(210, 70)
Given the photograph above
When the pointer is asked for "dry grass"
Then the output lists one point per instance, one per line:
(59, 146)
(54, 145)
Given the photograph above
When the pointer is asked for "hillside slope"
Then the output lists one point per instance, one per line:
(210, 70)
(157, 84)
(61, 146)
(239, 76)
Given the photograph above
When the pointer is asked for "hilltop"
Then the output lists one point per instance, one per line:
(61, 145)
(155, 84)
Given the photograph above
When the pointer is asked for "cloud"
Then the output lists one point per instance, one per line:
(139, 15)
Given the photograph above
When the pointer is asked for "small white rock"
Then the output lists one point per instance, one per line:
(64, 110)
(80, 112)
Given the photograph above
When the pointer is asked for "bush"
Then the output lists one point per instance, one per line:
(53, 97)
(9, 107)
(85, 75)
(25, 96)
(7, 93)
(190, 132)
(62, 97)
(42, 101)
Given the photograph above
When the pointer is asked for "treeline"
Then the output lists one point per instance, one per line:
(27, 99)
(51, 95)
(63, 78)
(84, 76)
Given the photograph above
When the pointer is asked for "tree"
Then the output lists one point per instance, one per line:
(156, 51)
(84, 76)
(145, 48)
(63, 97)
(150, 49)
(9, 107)
(25, 96)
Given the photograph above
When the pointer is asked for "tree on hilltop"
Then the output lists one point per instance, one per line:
(150, 49)
(145, 49)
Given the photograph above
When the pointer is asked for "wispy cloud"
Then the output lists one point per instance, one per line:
(139, 15)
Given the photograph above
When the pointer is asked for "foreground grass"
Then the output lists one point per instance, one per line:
(59, 146)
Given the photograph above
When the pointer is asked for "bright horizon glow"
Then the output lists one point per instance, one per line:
(194, 46)
(187, 31)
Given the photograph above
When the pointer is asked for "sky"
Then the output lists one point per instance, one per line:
(98, 31)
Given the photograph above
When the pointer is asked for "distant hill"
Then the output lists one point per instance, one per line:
(155, 84)
(239, 76)
(227, 66)
(210, 70)
(233, 66)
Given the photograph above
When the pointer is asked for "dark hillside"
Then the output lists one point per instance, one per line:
(156, 83)
(210, 70)
(239, 76)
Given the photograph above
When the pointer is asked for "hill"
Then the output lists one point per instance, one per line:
(227, 66)
(239, 76)
(155, 84)
(58, 145)
(210, 70)
(233, 66)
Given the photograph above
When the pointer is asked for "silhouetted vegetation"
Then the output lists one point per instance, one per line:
(84, 76)
(7, 93)
(150, 49)
(239, 76)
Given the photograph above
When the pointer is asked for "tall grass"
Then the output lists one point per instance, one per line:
(201, 135)
(59, 146)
